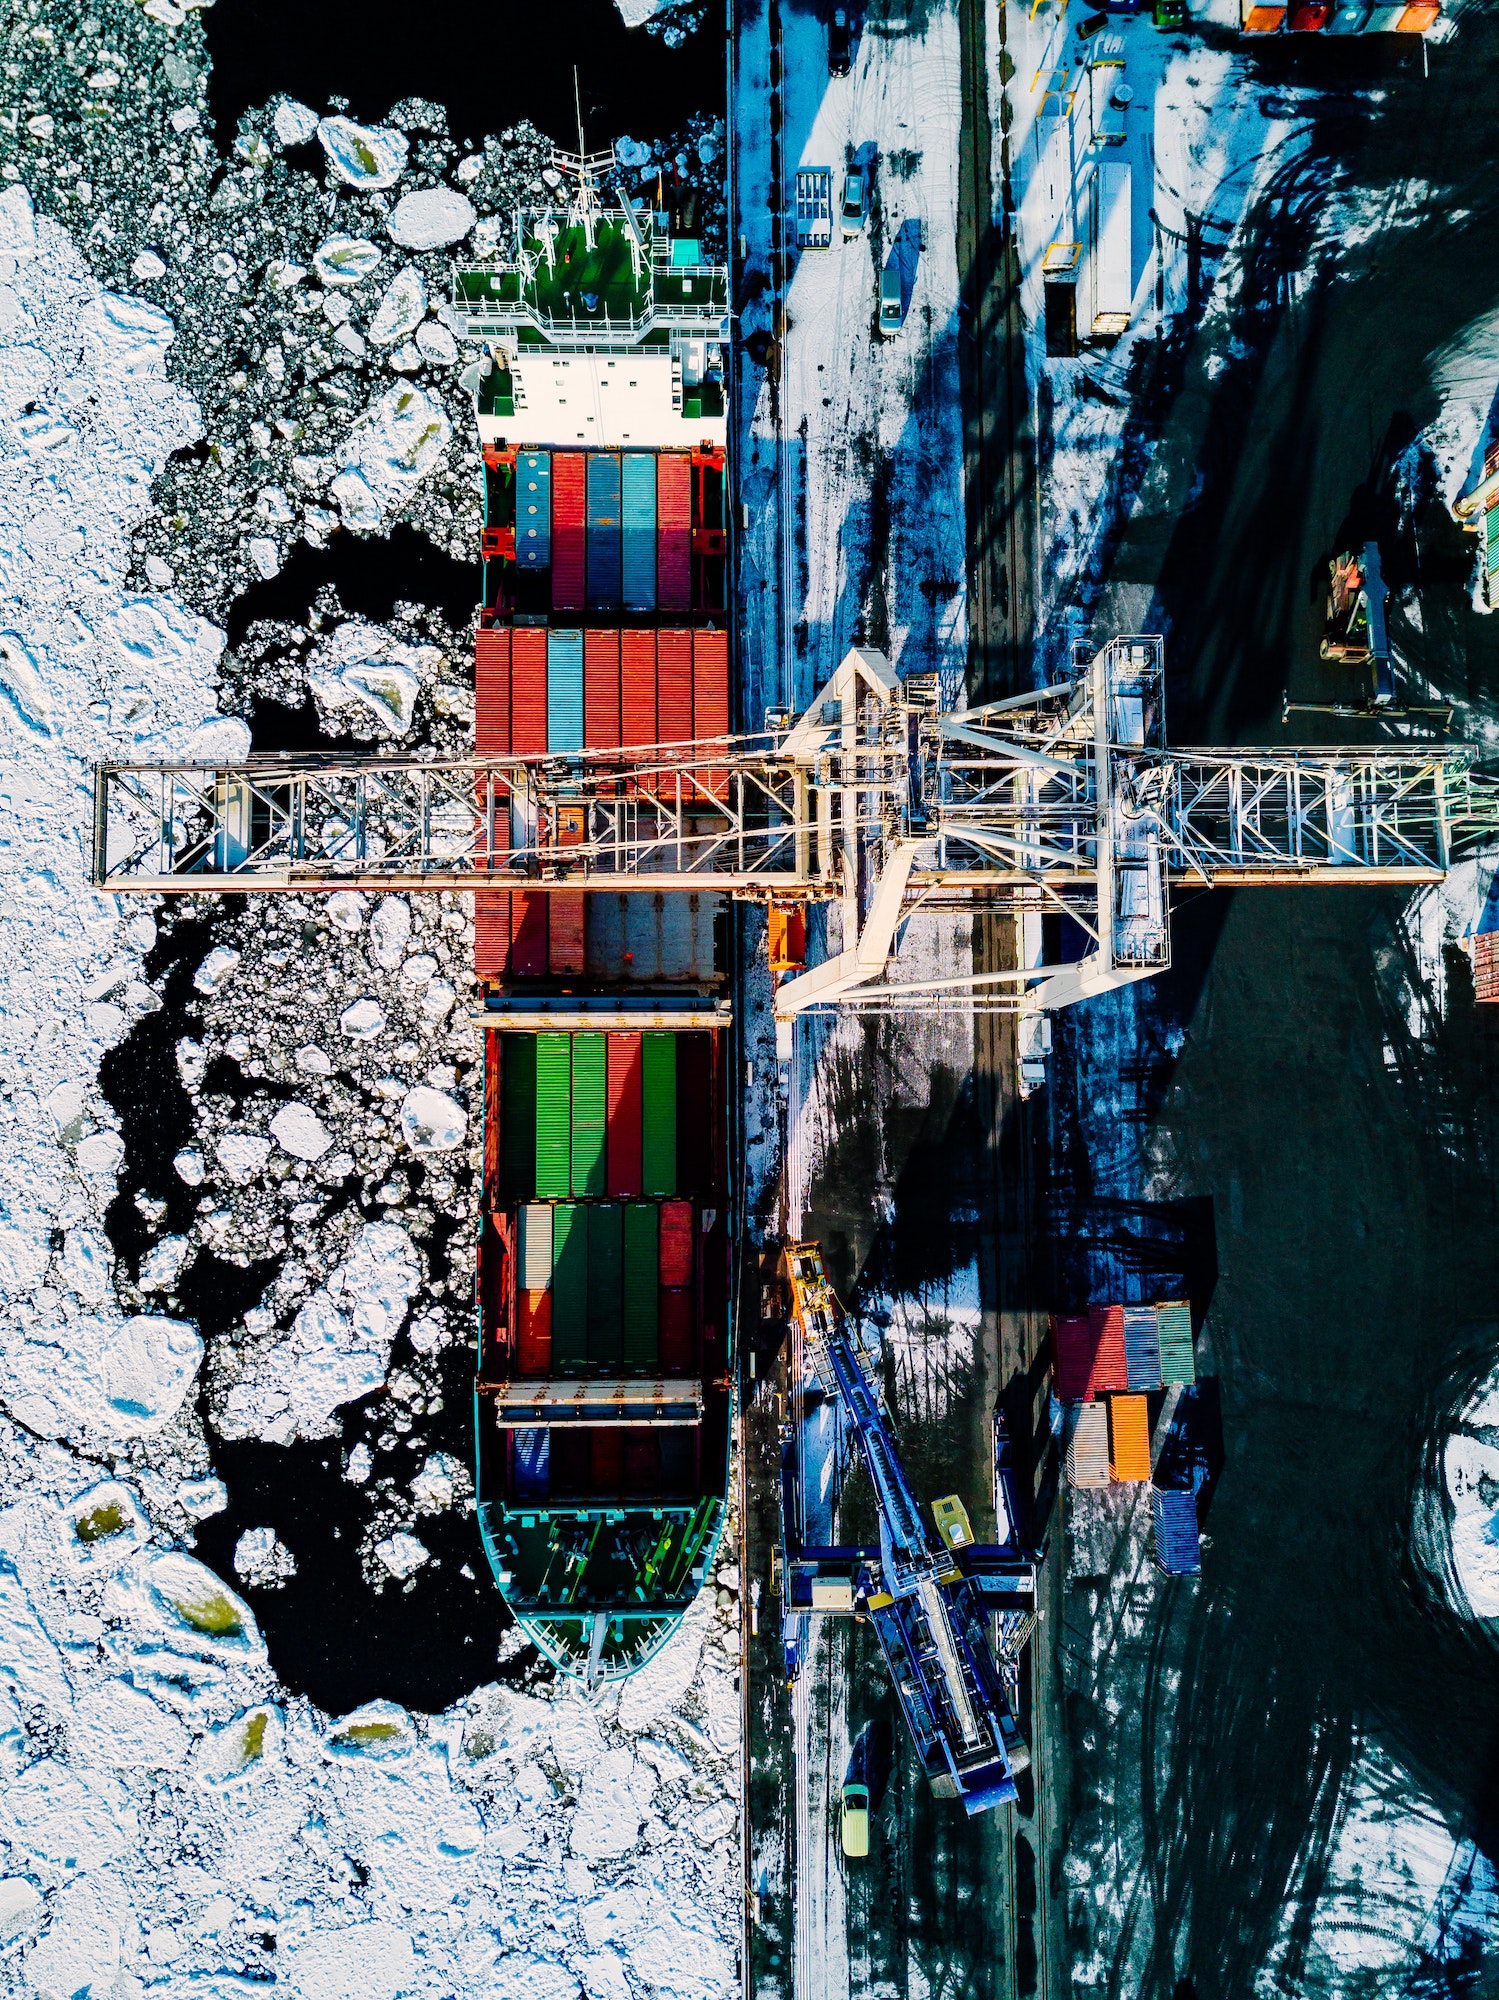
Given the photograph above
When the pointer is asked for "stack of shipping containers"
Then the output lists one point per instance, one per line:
(605, 1249)
(1107, 1363)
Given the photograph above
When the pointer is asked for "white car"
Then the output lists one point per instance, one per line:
(853, 209)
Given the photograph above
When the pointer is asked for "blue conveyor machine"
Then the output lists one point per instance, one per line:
(929, 1597)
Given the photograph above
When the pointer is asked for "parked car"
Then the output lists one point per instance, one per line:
(890, 314)
(853, 209)
(840, 42)
(856, 1820)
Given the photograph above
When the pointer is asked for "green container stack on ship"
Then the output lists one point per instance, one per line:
(602, 1406)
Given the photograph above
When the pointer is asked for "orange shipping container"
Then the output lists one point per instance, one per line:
(1129, 1439)
(528, 691)
(491, 933)
(533, 1335)
(492, 693)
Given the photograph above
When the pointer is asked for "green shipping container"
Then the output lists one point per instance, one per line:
(641, 1342)
(590, 1113)
(569, 1289)
(658, 1113)
(1174, 1326)
(553, 1117)
(605, 1273)
(518, 1116)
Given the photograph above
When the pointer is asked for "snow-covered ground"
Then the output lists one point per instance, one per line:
(200, 371)
(860, 512)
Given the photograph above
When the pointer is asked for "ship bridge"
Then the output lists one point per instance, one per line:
(599, 327)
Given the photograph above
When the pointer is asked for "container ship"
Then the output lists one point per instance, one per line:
(602, 1405)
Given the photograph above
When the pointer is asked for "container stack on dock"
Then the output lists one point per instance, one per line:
(1105, 1365)
(603, 1404)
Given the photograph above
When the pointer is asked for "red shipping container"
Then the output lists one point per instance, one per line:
(606, 1459)
(674, 531)
(601, 690)
(490, 1254)
(675, 1242)
(568, 513)
(638, 687)
(533, 1333)
(492, 693)
(696, 1137)
(528, 691)
(676, 1331)
(1075, 1349)
(1486, 966)
(1110, 1375)
(491, 933)
(710, 684)
(565, 933)
(528, 934)
(710, 694)
(624, 1164)
(642, 1461)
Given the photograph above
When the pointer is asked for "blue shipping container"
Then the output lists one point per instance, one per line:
(533, 509)
(638, 512)
(564, 691)
(533, 1464)
(603, 530)
(1142, 1348)
(1178, 1549)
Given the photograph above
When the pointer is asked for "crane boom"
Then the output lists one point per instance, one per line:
(876, 800)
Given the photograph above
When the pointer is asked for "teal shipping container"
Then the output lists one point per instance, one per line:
(641, 1336)
(638, 542)
(533, 510)
(564, 691)
(605, 1277)
(553, 1117)
(603, 531)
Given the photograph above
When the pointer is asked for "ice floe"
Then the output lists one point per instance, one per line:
(346, 260)
(362, 155)
(401, 308)
(431, 219)
(394, 445)
(431, 1122)
(337, 1349)
(263, 1560)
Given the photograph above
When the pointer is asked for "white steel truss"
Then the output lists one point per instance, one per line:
(874, 800)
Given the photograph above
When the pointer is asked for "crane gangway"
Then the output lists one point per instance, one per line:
(876, 798)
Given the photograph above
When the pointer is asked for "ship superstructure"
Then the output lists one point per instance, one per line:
(602, 1405)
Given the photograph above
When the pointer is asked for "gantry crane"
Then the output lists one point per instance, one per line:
(929, 1601)
(875, 803)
